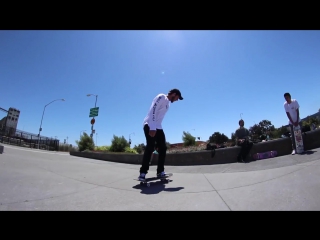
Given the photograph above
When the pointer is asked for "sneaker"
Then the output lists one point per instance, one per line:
(142, 176)
(161, 175)
(293, 152)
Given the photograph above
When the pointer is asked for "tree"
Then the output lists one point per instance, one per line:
(233, 137)
(118, 144)
(266, 126)
(308, 122)
(85, 143)
(140, 148)
(188, 139)
(255, 130)
(278, 132)
(262, 129)
(218, 138)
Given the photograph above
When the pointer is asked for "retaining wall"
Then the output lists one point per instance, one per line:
(311, 140)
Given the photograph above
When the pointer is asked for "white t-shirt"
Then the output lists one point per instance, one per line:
(292, 109)
(159, 106)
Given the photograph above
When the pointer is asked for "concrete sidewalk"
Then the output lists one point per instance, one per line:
(41, 180)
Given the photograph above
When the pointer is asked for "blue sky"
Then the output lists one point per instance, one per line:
(222, 75)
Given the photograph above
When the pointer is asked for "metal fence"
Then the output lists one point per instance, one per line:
(25, 139)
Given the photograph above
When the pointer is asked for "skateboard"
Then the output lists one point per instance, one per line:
(148, 180)
(264, 155)
(298, 139)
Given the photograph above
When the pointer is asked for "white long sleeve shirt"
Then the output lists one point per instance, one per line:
(160, 105)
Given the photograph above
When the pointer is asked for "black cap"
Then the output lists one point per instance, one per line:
(176, 91)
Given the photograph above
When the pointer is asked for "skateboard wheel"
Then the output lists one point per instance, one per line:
(148, 184)
(141, 183)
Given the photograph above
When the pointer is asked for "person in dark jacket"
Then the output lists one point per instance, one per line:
(242, 140)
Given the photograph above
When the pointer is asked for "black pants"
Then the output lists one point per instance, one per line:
(245, 149)
(162, 149)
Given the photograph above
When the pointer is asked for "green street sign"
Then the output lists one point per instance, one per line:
(94, 112)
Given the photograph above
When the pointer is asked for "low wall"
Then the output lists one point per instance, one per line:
(311, 140)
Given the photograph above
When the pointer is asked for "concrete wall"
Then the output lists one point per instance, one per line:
(311, 140)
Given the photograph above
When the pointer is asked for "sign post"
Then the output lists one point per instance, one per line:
(93, 113)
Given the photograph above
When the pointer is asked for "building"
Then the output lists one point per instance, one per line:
(10, 121)
(13, 118)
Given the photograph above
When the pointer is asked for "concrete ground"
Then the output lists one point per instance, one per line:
(32, 179)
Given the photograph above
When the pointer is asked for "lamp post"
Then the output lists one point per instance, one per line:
(130, 138)
(40, 129)
(96, 139)
(81, 132)
(95, 105)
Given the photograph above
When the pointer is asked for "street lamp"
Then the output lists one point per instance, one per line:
(130, 139)
(90, 94)
(40, 129)
(95, 105)
(81, 132)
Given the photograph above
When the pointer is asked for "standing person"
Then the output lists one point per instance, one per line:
(154, 133)
(242, 140)
(291, 106)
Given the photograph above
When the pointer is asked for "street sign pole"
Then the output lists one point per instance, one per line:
(93, 120)
(93, 113)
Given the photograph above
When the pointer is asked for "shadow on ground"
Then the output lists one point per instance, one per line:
(309, 152)
(156, 187)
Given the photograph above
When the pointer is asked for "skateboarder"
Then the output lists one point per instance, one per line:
(242, 140)
(291, 106)
(154, 133)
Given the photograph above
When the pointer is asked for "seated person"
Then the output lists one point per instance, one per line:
(242, 140)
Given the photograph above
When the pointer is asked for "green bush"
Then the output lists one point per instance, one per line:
(102, 148)
(140, 148)
(85, 143)
(118, 144)
(188, 139)
(66, 148)
(130, 150)
(87, 150)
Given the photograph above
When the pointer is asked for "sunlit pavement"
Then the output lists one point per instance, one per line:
(32, 179)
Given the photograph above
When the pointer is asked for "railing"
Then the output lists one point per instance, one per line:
(25, 139)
